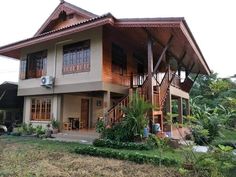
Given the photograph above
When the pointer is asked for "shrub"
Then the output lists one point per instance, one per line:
(100, 126)
(131, 156)
(117, 133)
(55, 124)
(220, 162)
(131, 127)
(39, 130)
(121, 145)
(231, 143)
(135, 119)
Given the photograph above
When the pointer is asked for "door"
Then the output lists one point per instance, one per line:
(84, 113)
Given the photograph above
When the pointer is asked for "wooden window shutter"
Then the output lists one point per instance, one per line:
(23, 69)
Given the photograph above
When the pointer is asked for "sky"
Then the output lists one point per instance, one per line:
(212, 23)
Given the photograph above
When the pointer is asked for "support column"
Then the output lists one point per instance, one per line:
(180, 111)
(168, 127)
(187, 107)
(150, 86)
(106, 101)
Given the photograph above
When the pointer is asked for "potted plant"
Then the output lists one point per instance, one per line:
(55, 126)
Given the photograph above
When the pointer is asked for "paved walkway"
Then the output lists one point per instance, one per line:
(82, 136)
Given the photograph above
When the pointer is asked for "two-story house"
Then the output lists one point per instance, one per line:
(96, 62)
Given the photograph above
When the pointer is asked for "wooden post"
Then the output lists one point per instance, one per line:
(150, 86)
(180, 111)
(168, 128)
(187, 107)
(131, 80)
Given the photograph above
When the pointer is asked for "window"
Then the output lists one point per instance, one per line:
(34, 66)
(41, 109)
(119, 60)
(76, 57)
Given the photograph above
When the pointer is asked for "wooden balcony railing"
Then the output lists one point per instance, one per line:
(187, 84)
(176, 82)
(137, 80)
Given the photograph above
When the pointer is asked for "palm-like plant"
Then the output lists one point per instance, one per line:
(135, 119)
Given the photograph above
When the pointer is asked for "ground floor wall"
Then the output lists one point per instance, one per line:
(72, 105)
(55, 109)
(65, 107)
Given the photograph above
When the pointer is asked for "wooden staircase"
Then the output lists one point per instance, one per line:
(160, 92)
(141, 85)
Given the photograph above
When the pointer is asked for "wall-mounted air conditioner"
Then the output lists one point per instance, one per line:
(47, 81)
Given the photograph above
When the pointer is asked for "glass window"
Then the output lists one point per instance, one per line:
(41, 109)
(76, 57)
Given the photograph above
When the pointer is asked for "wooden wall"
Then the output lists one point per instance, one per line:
(114, 36)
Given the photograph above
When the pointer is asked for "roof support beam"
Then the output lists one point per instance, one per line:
(161, 44)
(191, 68)
(162, 54)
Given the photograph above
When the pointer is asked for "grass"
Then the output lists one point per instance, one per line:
(70, 146)
(29, 157)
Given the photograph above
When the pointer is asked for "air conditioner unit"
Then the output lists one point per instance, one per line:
(47, 81)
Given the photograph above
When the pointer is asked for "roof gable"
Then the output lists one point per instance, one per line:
(64, 15)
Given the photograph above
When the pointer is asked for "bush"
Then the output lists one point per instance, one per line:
(131, 156)
(131, 127)
(231, 143)
(28, 129)
(220, 162)
(39, 130)
(55, 124)
(100, 126)
(117, 133)
(121, 145)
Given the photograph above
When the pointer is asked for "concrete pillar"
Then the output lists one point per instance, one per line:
(106, 101)
(180, 110)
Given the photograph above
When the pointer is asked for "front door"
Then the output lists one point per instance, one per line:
(84, 113)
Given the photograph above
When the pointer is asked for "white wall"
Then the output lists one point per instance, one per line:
(55, 55)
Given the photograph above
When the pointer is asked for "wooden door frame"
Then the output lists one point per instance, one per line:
(88, 111)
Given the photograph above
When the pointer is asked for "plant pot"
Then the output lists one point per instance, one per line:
(55, 130)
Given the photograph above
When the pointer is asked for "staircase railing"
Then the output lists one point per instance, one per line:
(115, 113)
(164, 87)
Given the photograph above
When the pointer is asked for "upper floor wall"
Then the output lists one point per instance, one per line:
(65, 81)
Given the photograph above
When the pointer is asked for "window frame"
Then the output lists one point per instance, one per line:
(34, 65)
(76, 57)
(42, 109)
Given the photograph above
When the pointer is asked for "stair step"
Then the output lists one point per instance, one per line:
(155, 113)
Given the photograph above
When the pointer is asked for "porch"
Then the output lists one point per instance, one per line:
(80, 111)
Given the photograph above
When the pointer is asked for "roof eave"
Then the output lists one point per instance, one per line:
(187, 32)
(4, 50)
(58, 8)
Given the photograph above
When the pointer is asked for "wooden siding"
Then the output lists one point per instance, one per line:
(68, 22)
(111, 36)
